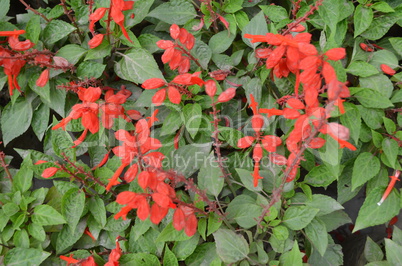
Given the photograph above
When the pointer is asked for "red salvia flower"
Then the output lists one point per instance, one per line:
(391, 185)
(69, 259)
(96, 41)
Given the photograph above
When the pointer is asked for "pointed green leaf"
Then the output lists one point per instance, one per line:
(47, 215)
(72, 206)
(365, 167)
(231, 247)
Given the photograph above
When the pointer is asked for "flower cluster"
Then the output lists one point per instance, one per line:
(11, 64)
(177, 53)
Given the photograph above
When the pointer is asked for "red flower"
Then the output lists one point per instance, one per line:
(69, 259)
(227, 95)
(184, 218)
(87, 111)
(49, 172)
(43, 78)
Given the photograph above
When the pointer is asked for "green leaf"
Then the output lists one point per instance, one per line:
(90, 69)
(221, 41)
(320, 176)
(22, 181)
(37, 232)
(183, 249)
(256, 26)
(171, 123)
(333, 256)
(40, 120)
(33, 28)
(391, 149)
(139, 259)
(137, 65)
(335, 219)
(362, 19)
(25, 257)
(21, 239)
(189, 158)
(372, 99)
(148, 42)
(171, 234)
(393, 251)
(371, 213)
(72, 206)
(204, 254)
(324, 203)
(47, 215)
(275, 13)
(293, 257)
(210, 177)
(214, 223)
(72, 53)
(372, 251)
(382, 7)
(397, 235)
(396, 44)
(56, 30)
(174, 12)
(231, 247)
(248, 180)
(10, 209)
(244, 210)
(202, 53)
(4, 7)
(365, 167)
(389, 125)
(378, 82)
(352, 120)
(298, 217)
(280, 232)
(254, 87)
(62, 143)
(141, 10)
(231, 6)
(100, 51)
(97, 208)
(361, 69)
(169, 259)
(316, 233)
(20, 111)
(380, 26)
(114, 225)
(192, 118)
(67, 238)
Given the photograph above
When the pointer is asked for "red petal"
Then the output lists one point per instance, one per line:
(43, 78)
(95, 41)
(316, 143)
(131, 173)
(153, 83)
(174, 95)
(245, 142)
(336, 53)
(191, 225)
(179, 219)
(227, 95)
(163, 44)
(387, 70)
(49, 172)
(174, 31)
(159, 97)
(158, 213)
(210, 87)
(295, 103)
(278, 159)
(143, 179)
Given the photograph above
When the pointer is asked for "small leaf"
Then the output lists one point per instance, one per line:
(365, 167)
(256, 26)
(210, 178)
(244, 210)
(362, 19)
(393, 251)
(169, 258)
(293, 257)
(372, 251)
(56, 30)
(231, 247)
(72, 206)
(372, 99)
(174, 12)
(361, 69)
(192, 118)
(298, 217)
(25, 256)
(137, 65)
(316, 232)
(221, 41)
(47, 215)
(390, 148)
(20, 111)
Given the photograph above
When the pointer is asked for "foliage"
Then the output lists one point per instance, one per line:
(199, 131)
